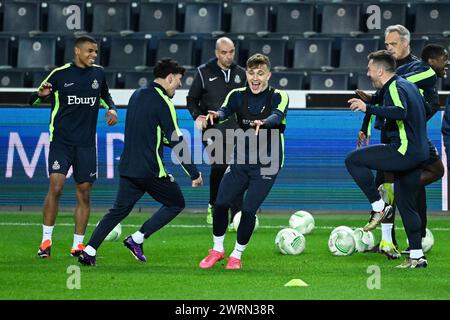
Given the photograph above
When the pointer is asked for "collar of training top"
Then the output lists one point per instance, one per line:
(387, 84)
(157, 85)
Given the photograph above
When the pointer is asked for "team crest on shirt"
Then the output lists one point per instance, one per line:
(95, 84)
(56, 165)
(237, 79)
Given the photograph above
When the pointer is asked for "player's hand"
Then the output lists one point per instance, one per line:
(201, 122)
(212, 115)
(363, 95)
(361, 138)
(257, 124)
(45, 90)
(111, 117)
(357, 105)
(197, 182)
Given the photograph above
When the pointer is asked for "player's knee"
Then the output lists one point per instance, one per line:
(179, 205)
(221, 205)
(439, 166)
(248, 211)
(56, 189)
(349, 160)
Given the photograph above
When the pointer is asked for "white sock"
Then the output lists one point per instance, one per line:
(77, 239)
(416, 254)
(238, 250)
(90, 251)
(386, 231)
(378, 205)
(47, 232)
(138, 237)
(218, 243)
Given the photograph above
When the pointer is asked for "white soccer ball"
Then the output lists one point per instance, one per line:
(114, 234)
(290, 241)
(427, 242)
(302, 221)
(342, 228)
(237, 220)
(363, 240)
(341, 243)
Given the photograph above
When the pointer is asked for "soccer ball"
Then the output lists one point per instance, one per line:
(302, 221)
(341, 243)
(114, 234)
(363, 240)
(342, 228)
(427, 242)
(290, 241)
(237, 220)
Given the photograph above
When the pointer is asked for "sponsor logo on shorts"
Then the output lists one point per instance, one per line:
(92, 174)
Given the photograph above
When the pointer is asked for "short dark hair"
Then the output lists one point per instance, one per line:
(385, 58)
(166, 66)
(257, 60)
(82, 39)
(433, 51)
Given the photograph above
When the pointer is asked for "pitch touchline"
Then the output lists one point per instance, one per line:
(181, 226)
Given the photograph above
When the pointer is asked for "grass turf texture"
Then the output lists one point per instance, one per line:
(174, 252)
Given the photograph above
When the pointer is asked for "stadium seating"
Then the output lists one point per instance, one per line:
(416, 45)
(313, 53)
(390, 14)
(354, 52)
(178, 49)
(188, 78)
(203, 17)
(298, 36)
(275, 49)
(111, 17)
(66, 17)
(432, 18)
(111, 78)
(136, 79)
(445, 42)
(4, 51)
(287, 80)
(12, 78)
(294, 18)
(37, 76)
(128, 52)
(157, 16)
(37, 52)
(249, 17)
(363, 82)
(21, 16)
(329, 81)
(340, 18)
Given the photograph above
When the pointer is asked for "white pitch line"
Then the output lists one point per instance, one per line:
(187, 226)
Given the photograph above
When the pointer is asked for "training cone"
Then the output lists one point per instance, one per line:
(296, 283)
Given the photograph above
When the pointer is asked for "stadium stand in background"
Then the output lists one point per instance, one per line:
(320, 45)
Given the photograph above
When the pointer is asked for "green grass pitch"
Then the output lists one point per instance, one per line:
(174, 252)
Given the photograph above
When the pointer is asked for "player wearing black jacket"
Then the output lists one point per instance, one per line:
(76, 91)
(213, 81)
(405, 128)
(151, 122)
